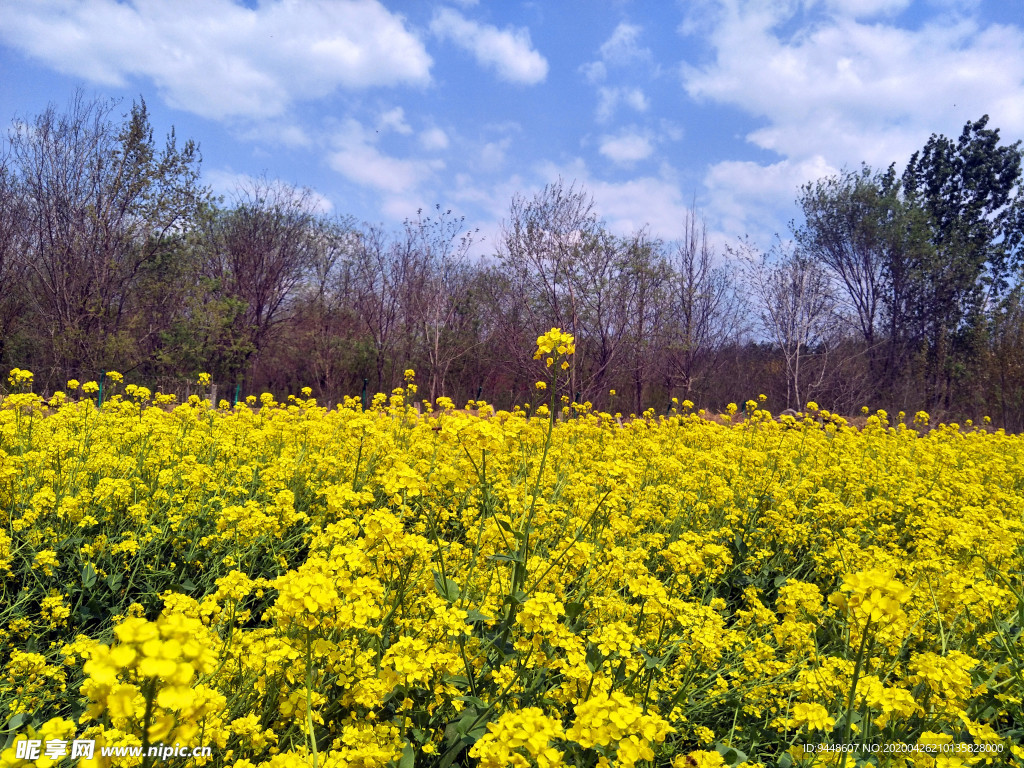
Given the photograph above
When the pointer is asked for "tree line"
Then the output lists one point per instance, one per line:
(900, 291)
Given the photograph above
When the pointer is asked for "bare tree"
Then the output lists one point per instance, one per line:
(437, 282)
(797, 310)
(541, 241)
(13, 242)
(598, 280)
(381, 274)
(641, 312)
(328, 317)
(507, 321)
(705, 312)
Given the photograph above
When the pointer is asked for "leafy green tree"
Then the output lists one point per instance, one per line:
(876, 246)
(966, 188)
(207, 335)
(100, 203)
(844, 228)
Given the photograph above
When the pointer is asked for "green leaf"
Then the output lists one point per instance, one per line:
(508, 558)
(516, 599)
(114, 581)
(13, 726)
(446, 588)
(460, 680)
(408, 756)
(88, 576)
(453, 752)
(15, 722)
(467, 720)
(620, 673)
(741, 546)
(731, 755)
(573, 610)
(473, 616)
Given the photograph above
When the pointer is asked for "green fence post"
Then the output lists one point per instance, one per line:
(365, 382)
(99, 396)
(238, 389)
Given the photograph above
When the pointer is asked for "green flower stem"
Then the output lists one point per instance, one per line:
(853, 690)
(309, 697)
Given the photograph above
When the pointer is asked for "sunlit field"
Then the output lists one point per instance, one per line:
(293, 584)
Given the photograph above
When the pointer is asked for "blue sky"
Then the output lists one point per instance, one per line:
(385, 107)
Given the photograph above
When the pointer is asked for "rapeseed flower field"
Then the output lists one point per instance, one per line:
(303, 586)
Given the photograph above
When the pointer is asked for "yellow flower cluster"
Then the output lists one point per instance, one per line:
(18, 377)
(873, 598)
(297, 584)
(29, 681)
(518, 737)
(146, 681)
(555, 344)
(814, 716)
(554, 341)
(541, 613)
(617, 726)
(55, 728)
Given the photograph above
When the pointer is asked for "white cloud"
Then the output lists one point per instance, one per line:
(594, 71)
(275, 132)
(867, 8)
(857, 92)
(227, 183)
(492, 154)
(399, 207)
(635, 98)
(746, 197)
(491, 202)
(670, 131)
(840, 91)
(394, 120)
(647, 201)
(618, 50)
(622, 47)
(218, 58)
(433, 139)
(509, 52)
(609, 99)
(626, 148)
(655, 202)
(357, 158)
